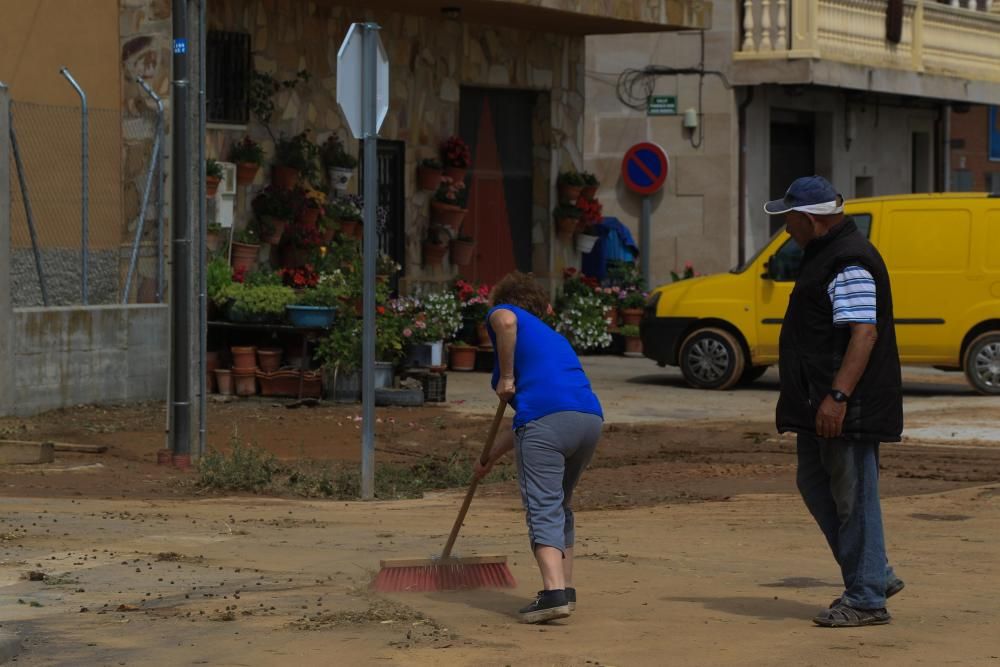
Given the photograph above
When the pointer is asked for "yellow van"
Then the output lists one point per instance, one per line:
(943, 254)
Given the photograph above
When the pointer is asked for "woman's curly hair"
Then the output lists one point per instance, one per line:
(521, 290)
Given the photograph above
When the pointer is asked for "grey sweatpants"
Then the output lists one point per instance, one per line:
(552, 453)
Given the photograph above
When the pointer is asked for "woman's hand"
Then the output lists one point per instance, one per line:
(481, 470)
(506, 388)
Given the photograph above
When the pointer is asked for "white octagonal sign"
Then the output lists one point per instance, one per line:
(350, 75)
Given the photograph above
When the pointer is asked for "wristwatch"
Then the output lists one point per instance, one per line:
(839, 396)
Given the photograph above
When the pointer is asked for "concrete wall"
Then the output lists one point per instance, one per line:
(695, 217)
(881, 147)
(103, 354)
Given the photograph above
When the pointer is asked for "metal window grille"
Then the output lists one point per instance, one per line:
(227, 77)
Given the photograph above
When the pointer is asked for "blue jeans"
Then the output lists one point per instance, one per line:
(838, 480)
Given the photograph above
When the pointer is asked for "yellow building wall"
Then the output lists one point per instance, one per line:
(37, 39)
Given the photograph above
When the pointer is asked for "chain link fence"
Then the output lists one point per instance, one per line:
(46, 180)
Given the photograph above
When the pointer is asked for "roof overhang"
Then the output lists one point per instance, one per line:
(570, 17)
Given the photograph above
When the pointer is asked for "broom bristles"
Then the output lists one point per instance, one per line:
(443, 577)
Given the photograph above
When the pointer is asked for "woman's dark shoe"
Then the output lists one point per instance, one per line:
(548, 606)
(843, 616)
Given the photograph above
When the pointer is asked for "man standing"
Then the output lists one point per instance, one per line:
(841, 392)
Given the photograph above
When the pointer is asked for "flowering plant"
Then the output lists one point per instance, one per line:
(571, 179)
(689, 272)
(443, 315)
(474, 299)
(582, 321)
(456, 153)
(575, 283)
(298, 153)
(343, 209)
(246, 150)
(304, 235)
(450, 192)
(591, 212)
(634, 299)
(610, 296)
(333, 155)
(312, 198)
(304, 276)
(274, 204)
(327, 292)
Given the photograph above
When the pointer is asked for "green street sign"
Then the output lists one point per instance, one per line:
(661, 105)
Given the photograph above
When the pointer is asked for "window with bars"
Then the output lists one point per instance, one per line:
(227, 77)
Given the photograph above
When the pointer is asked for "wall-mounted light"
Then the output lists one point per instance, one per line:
(691, 119)
(451, 13)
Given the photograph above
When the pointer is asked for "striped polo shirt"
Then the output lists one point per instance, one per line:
(852, 293)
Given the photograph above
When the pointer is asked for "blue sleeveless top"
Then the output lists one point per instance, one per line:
(548, 377)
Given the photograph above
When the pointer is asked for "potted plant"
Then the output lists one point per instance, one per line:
(456, 157)
(435, 248)
(248, 156)
(385, 267)
(214, 236)
(442, 320)
(310, 205)
(687, 274)
(463, 249)
(218, 276)
(245, 249)
(461, 356)
(446, 207)
(631, 307)
(340, 354)
(317, 306)
(294, 158)
(213, 176)
(581, 320)
(474, 300)
(429, 173)
(347, 214)
(273, 208)
(591, 214)
(339, 164)
(570, 185)
(633, 343)
(258, 303)
(590, 185)
(567, 218)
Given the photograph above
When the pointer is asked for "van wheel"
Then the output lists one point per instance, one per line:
(982, 363)
(753, 373)
(712, 359)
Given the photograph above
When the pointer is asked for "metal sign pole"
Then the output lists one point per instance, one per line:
(645, 246)
(369, 80)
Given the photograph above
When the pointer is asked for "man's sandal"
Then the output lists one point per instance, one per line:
(843, 616)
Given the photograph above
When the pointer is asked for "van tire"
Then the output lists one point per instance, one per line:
(982, 363)
(712, 359)
(752, 374)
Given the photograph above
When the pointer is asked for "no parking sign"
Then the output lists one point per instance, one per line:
(645, 168)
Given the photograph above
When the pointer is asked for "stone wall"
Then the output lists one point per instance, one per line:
(431, 59)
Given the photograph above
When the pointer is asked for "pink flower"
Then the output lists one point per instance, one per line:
(688, 265)
(420, 324)
(407, 332)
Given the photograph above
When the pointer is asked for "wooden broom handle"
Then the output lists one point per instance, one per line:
(483, 459)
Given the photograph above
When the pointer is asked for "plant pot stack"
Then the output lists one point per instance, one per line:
(244, 371)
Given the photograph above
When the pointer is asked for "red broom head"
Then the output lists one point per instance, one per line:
(445, 577)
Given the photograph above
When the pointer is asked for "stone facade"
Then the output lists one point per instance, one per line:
(431, 59)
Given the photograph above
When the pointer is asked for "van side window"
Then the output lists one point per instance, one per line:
(785, 265)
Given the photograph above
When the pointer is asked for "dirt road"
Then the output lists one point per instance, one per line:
(693, 549)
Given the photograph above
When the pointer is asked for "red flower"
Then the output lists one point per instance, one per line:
(240, 274)
(380, 310)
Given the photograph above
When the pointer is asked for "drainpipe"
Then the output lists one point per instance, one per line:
(946, 149)
(742, 176)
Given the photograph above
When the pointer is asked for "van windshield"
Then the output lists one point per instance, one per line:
(862, 220)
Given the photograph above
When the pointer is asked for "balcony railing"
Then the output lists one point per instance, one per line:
(961, 40)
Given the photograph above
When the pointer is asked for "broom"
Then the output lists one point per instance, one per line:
(448, 572)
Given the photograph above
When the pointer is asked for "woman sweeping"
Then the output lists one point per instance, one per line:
(557, 424)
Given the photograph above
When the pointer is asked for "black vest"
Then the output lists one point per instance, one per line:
(812, 349)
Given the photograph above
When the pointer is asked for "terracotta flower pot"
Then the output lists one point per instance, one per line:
(224, 381)
(211, 364)
(633, 346)
(456, 174)
(447, 215)
(269, 359)
(245, 381)
(279, 230)
(462, 252)
(212, 185)
(462, 358)
(569, 194)
(328, 234)
(348, 227)
(611, 315)
(244, 358)
(565, 228)
(428, 179)
(434, 253)
(589, 192)
(213, 241)
(631, 316)
(483, 334)
(286, 383)
(244, 256)
(246, 173)
(308, 215)
(285, 178)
